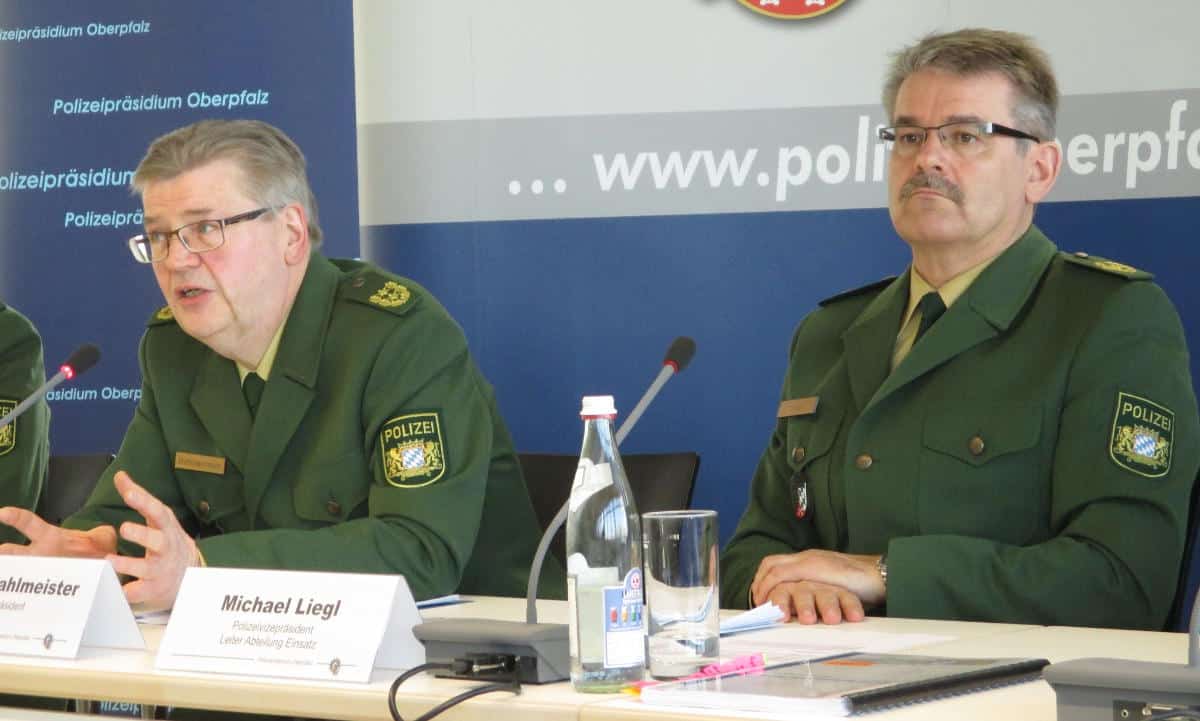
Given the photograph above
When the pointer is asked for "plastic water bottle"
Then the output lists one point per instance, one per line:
(604, 562)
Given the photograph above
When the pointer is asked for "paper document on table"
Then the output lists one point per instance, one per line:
(765, 615)
(788, 642)
(449, 600)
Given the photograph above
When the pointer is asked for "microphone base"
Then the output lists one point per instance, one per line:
(1103, 688)
(538, 651)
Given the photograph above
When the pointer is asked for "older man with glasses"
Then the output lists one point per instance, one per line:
(297, 412)
(1004, 432)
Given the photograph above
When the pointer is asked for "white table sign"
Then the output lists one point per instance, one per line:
(293, 624)
(52, 606)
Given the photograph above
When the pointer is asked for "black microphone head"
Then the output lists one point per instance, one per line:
(84, 357)
(680, 353)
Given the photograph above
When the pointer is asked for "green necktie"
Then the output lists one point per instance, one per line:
(252, 388)
(931, 307)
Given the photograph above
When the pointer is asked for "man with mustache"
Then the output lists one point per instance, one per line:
(1004, 432)
(297, 412)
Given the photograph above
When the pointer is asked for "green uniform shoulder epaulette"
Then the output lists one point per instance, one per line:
(162, 316)
(379, 290)
(858, 291)
(1105, 265)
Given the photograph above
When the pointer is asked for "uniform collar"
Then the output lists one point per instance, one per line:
(988, 306)
(1003, 288)
(302, 335)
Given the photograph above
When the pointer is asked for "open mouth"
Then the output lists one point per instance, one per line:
(189, 292)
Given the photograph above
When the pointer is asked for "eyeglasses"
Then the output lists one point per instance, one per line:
(198, 237)
(966, 138)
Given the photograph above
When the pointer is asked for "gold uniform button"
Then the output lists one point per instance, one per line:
(334, 508)
(203, 508)
(798, 454)
(863, 461)
(976, 446)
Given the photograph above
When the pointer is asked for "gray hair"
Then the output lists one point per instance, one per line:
(974, 51)
(272, 165)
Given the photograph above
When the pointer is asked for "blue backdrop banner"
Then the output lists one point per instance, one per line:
(87, 87)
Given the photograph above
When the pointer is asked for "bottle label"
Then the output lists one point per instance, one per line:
(589, 478)
(625, 623)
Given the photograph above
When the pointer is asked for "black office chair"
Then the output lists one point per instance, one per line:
(69, 482)
(1189, 569)
(659, 482)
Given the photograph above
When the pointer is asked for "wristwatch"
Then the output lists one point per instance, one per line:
(881, 566)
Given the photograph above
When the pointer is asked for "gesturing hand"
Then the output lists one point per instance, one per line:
(49, 540)
(169, 549)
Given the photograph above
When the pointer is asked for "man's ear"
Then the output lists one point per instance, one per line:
(296, 222)
(1042, 165)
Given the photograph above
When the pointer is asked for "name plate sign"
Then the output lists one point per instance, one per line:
(51, 607)
(293, 624)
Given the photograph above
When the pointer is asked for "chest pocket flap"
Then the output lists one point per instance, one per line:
(810, 437)
(331, 492)
(984, 432)
(211, 497)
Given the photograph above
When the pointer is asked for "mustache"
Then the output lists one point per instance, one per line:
(933, 182)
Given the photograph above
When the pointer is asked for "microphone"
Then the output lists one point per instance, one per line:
(539, 650)
(84, 357)
(678, 356)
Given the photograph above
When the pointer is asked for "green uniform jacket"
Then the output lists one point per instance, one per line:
(1029, 461)
(377, 446)
(24, 444)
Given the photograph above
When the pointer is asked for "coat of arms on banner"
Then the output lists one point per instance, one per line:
(413, 451)
(792, 9)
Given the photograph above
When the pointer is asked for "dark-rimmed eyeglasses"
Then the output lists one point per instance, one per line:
(200, 236)
(966, 138)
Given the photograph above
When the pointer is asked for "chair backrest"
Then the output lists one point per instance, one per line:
(69, 482)
(659, 482)
(1189, 570)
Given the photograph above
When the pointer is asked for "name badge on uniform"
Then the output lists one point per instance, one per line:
(798, 407)
(185, 461)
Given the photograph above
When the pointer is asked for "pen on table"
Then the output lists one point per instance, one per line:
(750, 662)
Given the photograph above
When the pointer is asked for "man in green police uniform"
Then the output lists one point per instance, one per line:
(24, 443)
(374, 444)
(1028, 457)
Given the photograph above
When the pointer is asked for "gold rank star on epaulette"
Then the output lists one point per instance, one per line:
(379, 291)
(1105, 265)
(161, 316)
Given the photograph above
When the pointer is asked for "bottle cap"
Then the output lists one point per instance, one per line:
(597, 406)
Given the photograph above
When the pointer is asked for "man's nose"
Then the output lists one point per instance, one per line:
(933, 153)
(178, 256)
